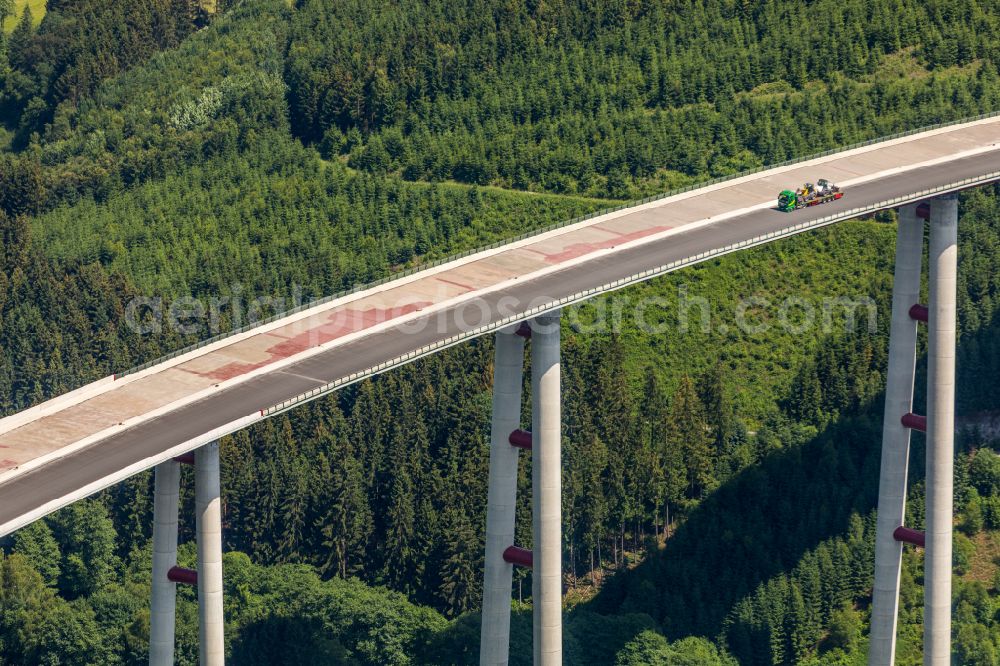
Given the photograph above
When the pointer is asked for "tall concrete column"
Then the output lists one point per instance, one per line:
(163, 599)
(896, 437)
(940, 429)
(546, 491)
(501, 501)
(208, 510)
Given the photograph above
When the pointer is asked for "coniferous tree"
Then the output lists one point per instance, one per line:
(37, 545)
(593, 506)
(688, 432)
(6, 10)
(718, 408)
(611, 399)
(399, 548)
(346, 526)
(134, 514)
(462, 563)
(653, 466)
(293, 511)
(20, 39)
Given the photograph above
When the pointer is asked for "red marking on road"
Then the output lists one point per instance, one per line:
(580, 249)
(456, 284)
(337, 325)
(610, 231)
(7, 463)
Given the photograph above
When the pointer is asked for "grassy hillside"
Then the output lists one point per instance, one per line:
(37, 12)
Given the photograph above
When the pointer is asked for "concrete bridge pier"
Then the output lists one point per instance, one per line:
(546, 591)
(545, 443)
(166, 573)
(166, 492)
(895, 436)
(208, 515)
(939, 424)
(508, 370)
(943, 271)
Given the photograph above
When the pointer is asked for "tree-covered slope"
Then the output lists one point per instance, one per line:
(290, 145)
(615, 98)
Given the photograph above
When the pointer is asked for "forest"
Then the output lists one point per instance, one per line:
(718, 508)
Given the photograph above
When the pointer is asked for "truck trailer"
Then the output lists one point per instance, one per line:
(809, 195)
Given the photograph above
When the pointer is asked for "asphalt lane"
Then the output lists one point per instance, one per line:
(67, 475)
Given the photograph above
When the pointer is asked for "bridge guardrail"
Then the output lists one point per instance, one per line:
(537, 232)
(618, 284)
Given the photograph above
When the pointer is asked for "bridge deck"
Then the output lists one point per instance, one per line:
(73, 445)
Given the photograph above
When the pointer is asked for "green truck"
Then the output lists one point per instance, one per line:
(809, 195)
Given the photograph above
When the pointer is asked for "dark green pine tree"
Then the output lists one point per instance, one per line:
(14, 242)
(347, 524)
(718, 407)
(370, 420)
(293, 508)
(668, 450)
(20, 40)
(800, 639)
(21, 184)
(239, 485)
(811, 585)
(688, 432)
(593, 503)
(862, 555)
(186, 15)
(775, 610)
(460, 574)
(613, 421)
(134, 514)
(577, 407)
(397, 544)
(806, 402)
(653, 411)
(407, 500)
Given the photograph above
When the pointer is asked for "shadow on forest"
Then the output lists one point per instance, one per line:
(756, 526)
(760, 523)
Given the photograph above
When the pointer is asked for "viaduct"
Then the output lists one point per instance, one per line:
(173, 411)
